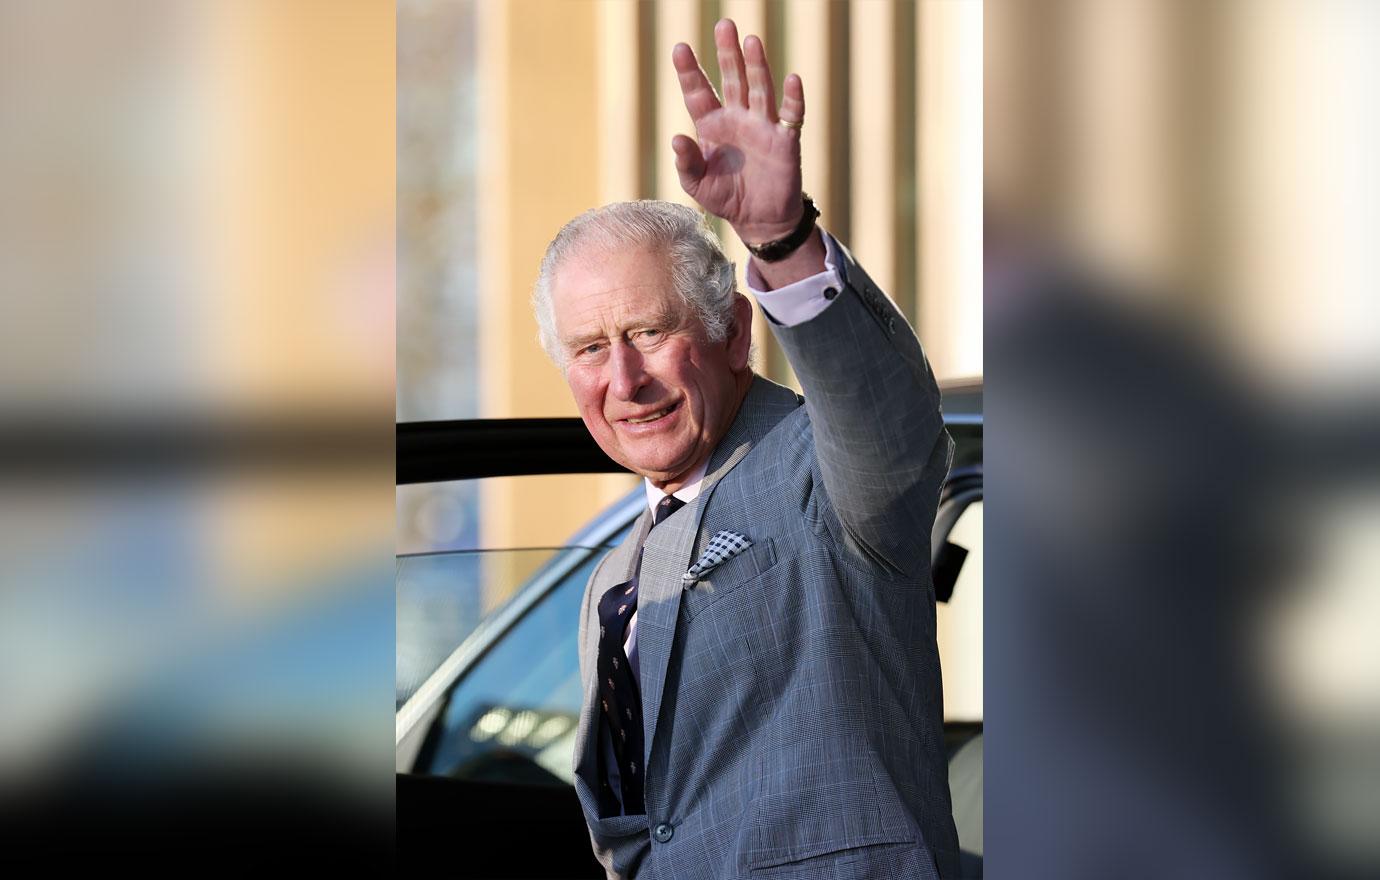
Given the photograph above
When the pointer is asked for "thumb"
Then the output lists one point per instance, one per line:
(689, 162)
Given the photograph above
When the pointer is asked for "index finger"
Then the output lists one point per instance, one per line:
(694, 85)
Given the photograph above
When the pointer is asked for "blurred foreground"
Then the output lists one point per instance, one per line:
(1183, 414)
(196, 608)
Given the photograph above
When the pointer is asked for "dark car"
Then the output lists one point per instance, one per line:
(488, 698)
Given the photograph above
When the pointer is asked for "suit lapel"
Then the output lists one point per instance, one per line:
(622, 563)
(669, 548)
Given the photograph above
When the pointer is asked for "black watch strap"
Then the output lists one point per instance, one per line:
(781, 248)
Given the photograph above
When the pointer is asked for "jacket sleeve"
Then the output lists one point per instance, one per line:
(877, 425)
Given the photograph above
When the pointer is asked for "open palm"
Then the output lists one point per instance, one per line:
(745, 166)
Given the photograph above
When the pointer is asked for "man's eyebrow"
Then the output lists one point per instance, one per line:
(666, 319)
(581, 341)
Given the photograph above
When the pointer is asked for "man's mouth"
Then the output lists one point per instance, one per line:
(652, 417)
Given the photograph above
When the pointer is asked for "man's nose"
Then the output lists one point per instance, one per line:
(626, 372)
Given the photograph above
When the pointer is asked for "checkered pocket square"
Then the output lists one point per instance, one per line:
(722, 547)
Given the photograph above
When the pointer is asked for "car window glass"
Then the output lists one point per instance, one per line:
(443, 597)
(502, 512)
(512, 716)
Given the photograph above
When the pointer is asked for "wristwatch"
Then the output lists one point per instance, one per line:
(781, 248)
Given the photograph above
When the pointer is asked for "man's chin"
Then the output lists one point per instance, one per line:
(659, 470)
(656, 474)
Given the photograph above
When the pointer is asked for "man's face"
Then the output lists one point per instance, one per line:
(654, 392)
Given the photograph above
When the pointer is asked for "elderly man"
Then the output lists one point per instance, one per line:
(762, 686)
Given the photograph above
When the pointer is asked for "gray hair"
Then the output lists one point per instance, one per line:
(700, 271)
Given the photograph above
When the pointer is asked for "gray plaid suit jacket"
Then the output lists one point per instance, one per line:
(791, 697)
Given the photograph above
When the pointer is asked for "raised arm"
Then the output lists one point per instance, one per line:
(874, 405)
(876, 421)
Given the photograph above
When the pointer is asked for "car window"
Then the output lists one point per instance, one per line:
(502, 512)
(443, 597)
(512, 715)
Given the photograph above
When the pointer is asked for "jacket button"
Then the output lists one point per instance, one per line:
(830, 292)
(662, 833)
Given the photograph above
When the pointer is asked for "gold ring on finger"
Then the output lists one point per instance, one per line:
(796, 125)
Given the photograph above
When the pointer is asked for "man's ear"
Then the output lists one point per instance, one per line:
(740, 334)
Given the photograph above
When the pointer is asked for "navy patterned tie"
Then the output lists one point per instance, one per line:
(619, 696)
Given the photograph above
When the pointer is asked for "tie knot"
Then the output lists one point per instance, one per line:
(665, 507)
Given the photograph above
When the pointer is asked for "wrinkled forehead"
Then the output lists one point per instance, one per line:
(598, 285)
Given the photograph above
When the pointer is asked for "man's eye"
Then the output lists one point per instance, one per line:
(649, 333)
(592, 348)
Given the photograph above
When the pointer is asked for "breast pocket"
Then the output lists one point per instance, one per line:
(728, 576)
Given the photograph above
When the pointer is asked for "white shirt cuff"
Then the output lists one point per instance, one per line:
(799, 302)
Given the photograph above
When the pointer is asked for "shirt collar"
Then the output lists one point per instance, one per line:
(686, 493)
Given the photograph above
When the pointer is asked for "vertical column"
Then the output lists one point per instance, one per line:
(949, 132)
(677, 21)
(620, 59)
(905, 103)
(807, 54)
(540, 149)
(873, 139)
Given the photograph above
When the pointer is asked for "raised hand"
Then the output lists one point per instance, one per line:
(745, 167)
